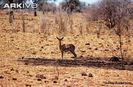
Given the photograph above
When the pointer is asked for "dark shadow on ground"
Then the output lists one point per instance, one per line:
(86, 62)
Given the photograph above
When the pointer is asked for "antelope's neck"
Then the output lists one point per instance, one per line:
(60, 44)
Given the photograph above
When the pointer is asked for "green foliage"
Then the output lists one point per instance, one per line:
(71, 5)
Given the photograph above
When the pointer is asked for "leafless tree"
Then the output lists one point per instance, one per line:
(116, 15)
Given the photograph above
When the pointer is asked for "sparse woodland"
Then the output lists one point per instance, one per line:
(99, 36)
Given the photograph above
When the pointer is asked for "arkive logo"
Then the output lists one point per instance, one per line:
(19, 5)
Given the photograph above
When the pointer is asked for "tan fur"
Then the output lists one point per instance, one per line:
(66, 48)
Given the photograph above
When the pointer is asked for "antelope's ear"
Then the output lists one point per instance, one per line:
(57, 38)
(62, 38)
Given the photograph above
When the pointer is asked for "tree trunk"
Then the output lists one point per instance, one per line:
(119, 33)
(11, 17)
(121, 50)
(35, 13)
(23, 22)
(120, 45)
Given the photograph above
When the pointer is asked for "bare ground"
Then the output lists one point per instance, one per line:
(32, 59)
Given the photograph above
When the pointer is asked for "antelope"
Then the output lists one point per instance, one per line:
(66, 48)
